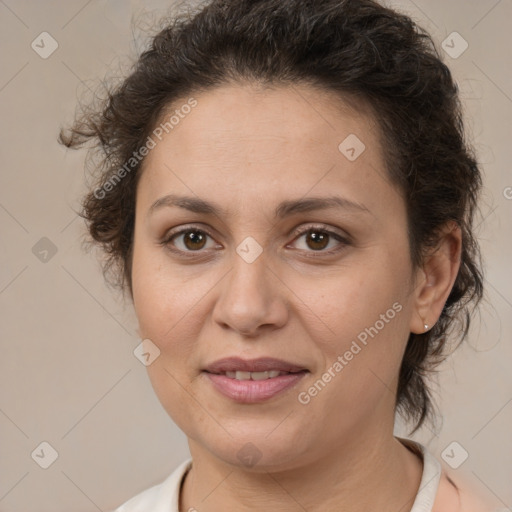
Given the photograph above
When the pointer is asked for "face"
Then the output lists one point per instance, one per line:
(270, 273)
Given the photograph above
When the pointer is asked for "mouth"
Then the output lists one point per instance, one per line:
(253, 381)
(256, 369)
(240, 375)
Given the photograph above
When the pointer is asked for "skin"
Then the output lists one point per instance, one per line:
(248, 148)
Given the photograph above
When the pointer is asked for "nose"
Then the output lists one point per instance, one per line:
(252, 298)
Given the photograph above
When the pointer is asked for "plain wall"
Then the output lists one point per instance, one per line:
(68, 375)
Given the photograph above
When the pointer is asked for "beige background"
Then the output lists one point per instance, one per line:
(68, 375)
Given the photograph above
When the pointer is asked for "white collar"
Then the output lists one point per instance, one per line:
(430, 479)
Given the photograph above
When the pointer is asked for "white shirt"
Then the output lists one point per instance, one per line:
(164, 497)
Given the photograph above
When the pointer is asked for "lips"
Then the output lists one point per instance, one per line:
(252, 381)
(253, 391)
(235, 365)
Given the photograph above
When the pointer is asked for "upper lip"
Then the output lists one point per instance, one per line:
(261, 364)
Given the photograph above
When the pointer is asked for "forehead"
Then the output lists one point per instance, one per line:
(252, 141)
(237, 114)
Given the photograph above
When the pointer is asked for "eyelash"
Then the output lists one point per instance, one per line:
(297, 233)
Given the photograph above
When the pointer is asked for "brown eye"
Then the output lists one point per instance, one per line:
(317, 240)
(320, 240)
(188, 240)
(194, 240)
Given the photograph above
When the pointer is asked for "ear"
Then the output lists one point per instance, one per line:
(435, 278)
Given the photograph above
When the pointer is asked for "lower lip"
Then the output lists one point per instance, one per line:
(253, 391)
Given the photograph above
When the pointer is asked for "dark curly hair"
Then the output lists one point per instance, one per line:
(356, 48)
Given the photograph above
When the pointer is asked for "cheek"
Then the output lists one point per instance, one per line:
(155, 295)
(354, 298)
(165, 305)
(360, 314)
(361, 355)
(168, 300)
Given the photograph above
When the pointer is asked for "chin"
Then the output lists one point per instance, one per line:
(257, 452)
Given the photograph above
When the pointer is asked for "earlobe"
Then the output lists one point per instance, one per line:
(436, 279)
(423, 298)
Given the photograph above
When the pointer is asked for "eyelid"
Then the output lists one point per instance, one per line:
(323, 228)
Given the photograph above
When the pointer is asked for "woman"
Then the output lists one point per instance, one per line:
(288, 199)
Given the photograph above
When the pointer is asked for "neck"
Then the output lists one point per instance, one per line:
(367, 473)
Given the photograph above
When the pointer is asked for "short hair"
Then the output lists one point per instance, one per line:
(358, 49)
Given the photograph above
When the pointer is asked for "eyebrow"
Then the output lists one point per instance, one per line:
(284, 209)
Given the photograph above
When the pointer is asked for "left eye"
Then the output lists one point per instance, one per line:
(319, 239)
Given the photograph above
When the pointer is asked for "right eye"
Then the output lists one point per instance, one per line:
(187, 240)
